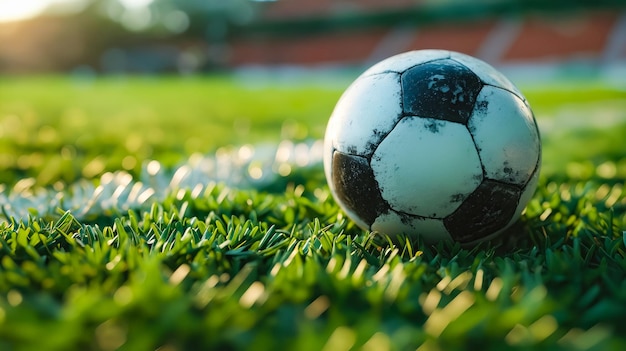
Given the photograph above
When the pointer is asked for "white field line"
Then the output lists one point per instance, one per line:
(245, 167)
(597, 115)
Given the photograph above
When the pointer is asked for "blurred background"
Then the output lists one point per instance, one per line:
(92, 37)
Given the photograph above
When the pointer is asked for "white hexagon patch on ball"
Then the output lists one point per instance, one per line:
(435, 144)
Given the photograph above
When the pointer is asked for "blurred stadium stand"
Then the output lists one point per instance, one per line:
(330, 33)
(349, 32)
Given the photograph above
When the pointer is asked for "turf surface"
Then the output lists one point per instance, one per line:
(111, 238)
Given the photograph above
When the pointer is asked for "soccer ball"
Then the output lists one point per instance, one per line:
(435, 144)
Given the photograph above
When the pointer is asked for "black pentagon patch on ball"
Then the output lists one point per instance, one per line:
(488, 209)
(441, 89)
(356, 186)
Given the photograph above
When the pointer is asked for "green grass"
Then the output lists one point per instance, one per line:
(56, 128)
(227, 268)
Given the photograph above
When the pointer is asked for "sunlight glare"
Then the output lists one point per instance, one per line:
(17, 10)
(11, 10)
